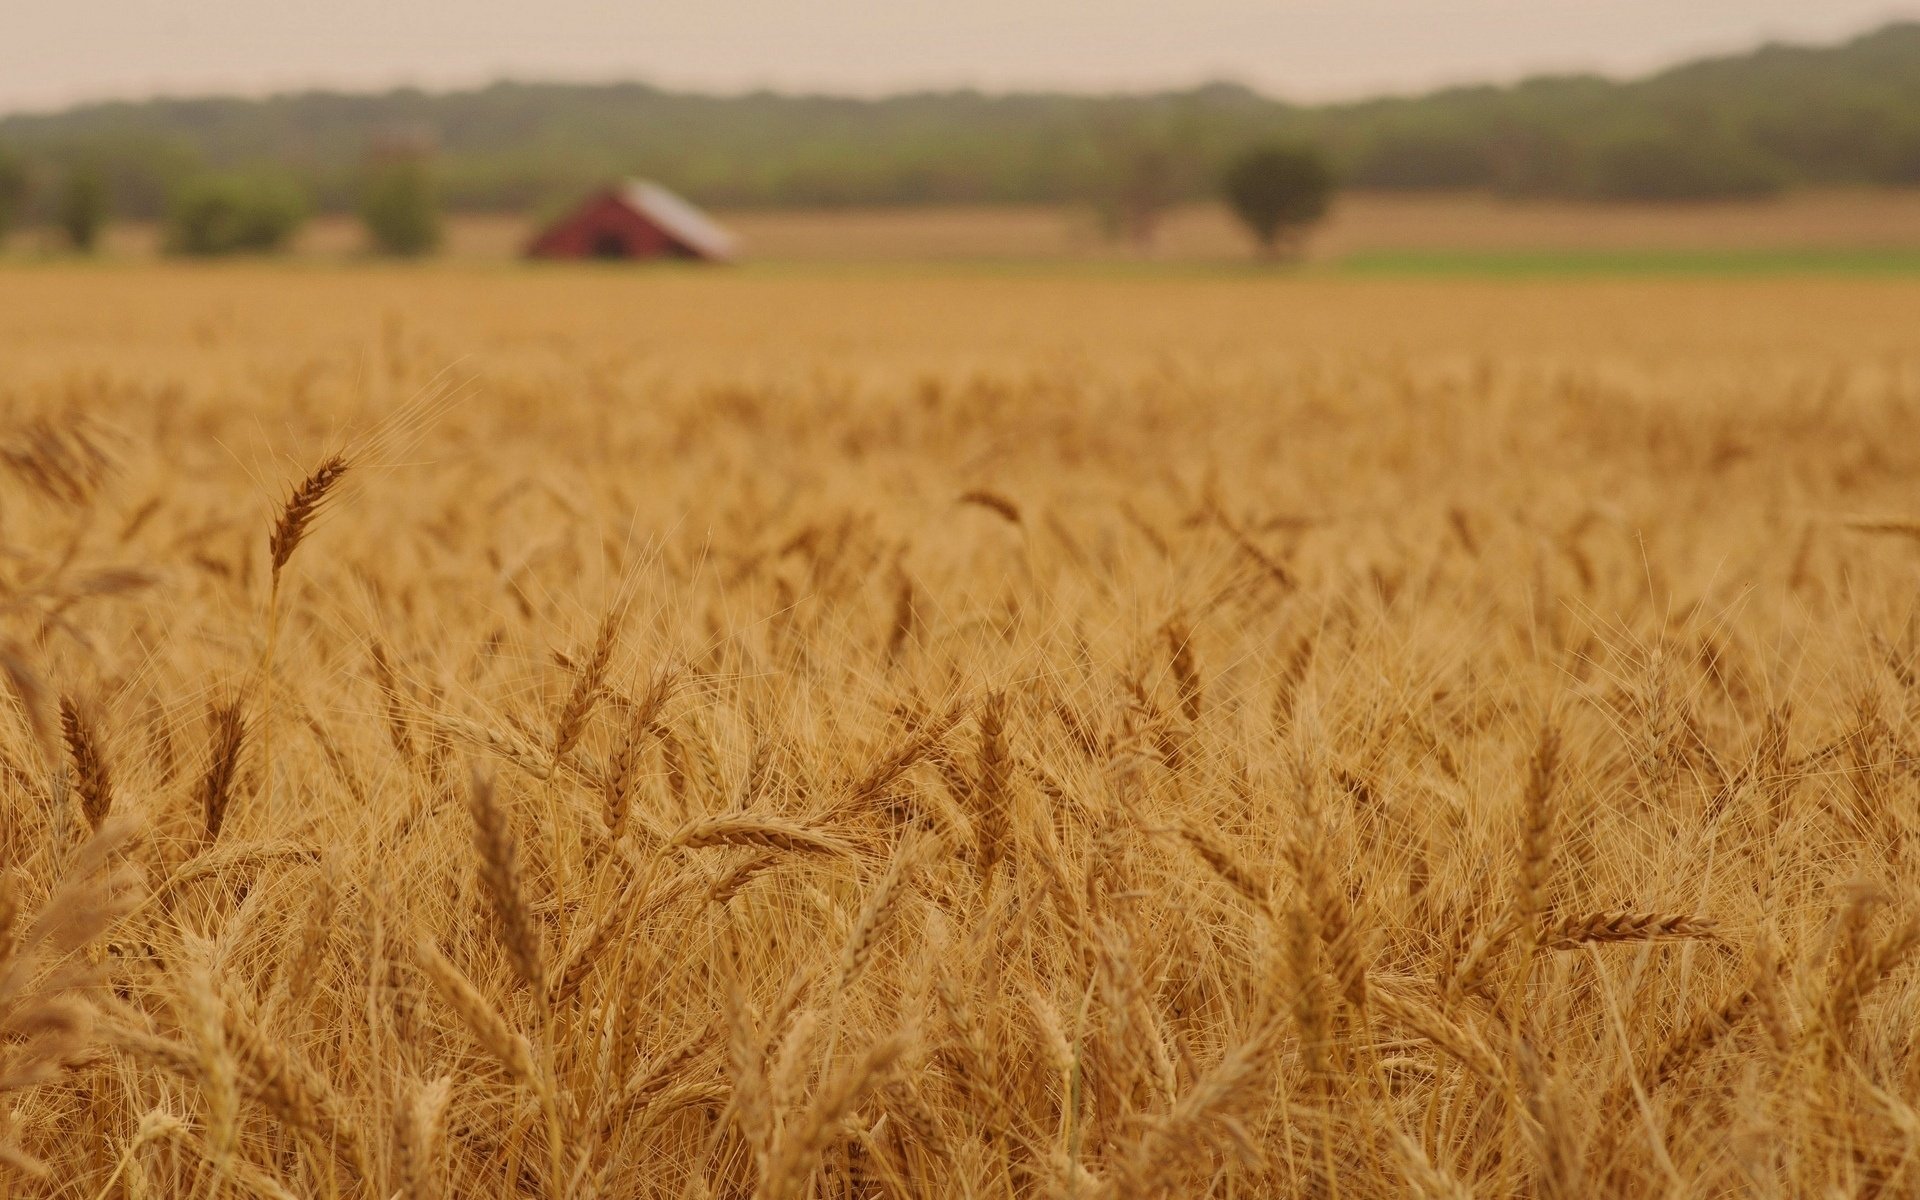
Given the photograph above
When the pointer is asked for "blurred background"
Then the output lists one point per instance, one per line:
(1369, 135)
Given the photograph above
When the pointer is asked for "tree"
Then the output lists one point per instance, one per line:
(82, 208)
(1143, 167)
(234, 214)
(1278, 192)
(400, 206)
(1142, 189)
(13, 190)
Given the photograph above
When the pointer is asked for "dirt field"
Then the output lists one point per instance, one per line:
(480, 731)
(1361, 224)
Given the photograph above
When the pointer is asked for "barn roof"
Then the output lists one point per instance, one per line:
(678, 218)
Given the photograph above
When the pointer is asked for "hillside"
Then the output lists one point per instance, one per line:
(1746, 124)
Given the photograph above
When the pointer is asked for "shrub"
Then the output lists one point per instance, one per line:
(234, 214)
(82, 208)
(400, 207)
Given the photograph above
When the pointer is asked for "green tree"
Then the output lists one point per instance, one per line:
(82, 209)
(234, 214)
(13, 189)
(1279, 192)
(400, 206)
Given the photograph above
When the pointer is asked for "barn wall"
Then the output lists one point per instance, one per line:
(577, 235)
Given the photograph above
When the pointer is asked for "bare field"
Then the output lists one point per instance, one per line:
(1361, 223)
(567, 733)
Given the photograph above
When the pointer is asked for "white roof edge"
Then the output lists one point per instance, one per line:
(679, 218)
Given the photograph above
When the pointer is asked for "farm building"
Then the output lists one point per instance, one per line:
(635, 219)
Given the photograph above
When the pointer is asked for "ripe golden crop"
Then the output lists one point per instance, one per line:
(888, 734)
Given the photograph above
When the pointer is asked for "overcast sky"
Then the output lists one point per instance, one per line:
(54, 53)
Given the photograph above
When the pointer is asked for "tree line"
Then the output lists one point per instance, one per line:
(241, 211)
(1743, 125)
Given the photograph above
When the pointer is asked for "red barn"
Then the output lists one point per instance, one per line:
(635, 219)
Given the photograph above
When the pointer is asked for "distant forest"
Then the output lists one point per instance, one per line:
(1779, 117)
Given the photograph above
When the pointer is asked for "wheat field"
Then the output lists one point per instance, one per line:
(579, 734)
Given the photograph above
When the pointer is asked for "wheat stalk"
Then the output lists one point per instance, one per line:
(419, 1133)
(507, 745)
(643, 721)
(589, 681)
(993, 502)
(296, 515)
(1574, 931)
(93, 781)
(771, 833)
(881, 906)
(730, 882)
(293, 1089)
(481, 1018)
(504, 883)
(228, 735)
(213, 1063)
(302, 506)
(797, 1155)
